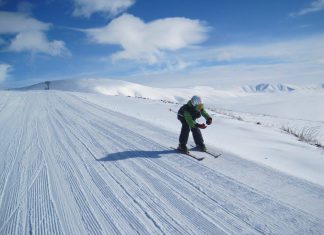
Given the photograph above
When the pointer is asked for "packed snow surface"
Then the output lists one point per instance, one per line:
(81, 160)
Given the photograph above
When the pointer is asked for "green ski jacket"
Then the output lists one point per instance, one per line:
(190, 114)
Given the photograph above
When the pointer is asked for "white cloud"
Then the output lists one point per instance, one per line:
(4, 70)
(29, 34)
(36, 41)
(307, 49)
(315, 6)
(298, 61)
(112, 7)
(242, 74)
(13, 23)
(147, 41)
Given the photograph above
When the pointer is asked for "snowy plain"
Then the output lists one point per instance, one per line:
(93, 157)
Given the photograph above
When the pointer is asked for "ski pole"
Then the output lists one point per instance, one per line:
(171, 110)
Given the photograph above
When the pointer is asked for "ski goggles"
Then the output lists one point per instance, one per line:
(199, 107)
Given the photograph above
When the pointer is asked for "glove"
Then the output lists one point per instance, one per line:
(201, 126)
(209, 121)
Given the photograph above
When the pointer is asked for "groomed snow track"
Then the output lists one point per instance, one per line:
(69, 166)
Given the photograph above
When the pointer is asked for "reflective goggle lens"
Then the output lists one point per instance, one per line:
(199, 107)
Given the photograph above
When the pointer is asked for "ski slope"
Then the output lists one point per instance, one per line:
(69, 165)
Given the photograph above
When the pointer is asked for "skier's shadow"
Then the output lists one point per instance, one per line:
(134, 154)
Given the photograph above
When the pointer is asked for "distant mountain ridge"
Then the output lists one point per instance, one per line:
(266, 87)
(272, 88)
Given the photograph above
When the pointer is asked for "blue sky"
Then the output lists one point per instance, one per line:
(150, 39)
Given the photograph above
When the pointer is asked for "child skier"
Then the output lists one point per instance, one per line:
(187, 115)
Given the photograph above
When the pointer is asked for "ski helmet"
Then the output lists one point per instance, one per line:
(196, 100)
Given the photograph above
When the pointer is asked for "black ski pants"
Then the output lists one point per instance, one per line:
(185, 130)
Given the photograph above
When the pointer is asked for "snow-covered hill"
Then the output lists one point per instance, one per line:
(113, 87)
(117, 87)
(77, 159)
(276, 100)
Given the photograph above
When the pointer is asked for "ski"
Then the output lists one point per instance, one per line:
(215, 155)
(188, 154)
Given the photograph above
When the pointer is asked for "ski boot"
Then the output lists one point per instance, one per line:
(202, 148)
(183, 148)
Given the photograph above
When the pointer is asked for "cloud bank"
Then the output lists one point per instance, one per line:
(111, 7)
(307, 49)
(148, 41)
(298, 61)
(4, 70)
(315, 6)
(29, 34)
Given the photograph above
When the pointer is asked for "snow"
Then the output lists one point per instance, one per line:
(93, 157)
(263, 144)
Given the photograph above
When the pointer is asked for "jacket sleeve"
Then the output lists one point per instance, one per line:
(189, 119)
(205, 114)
